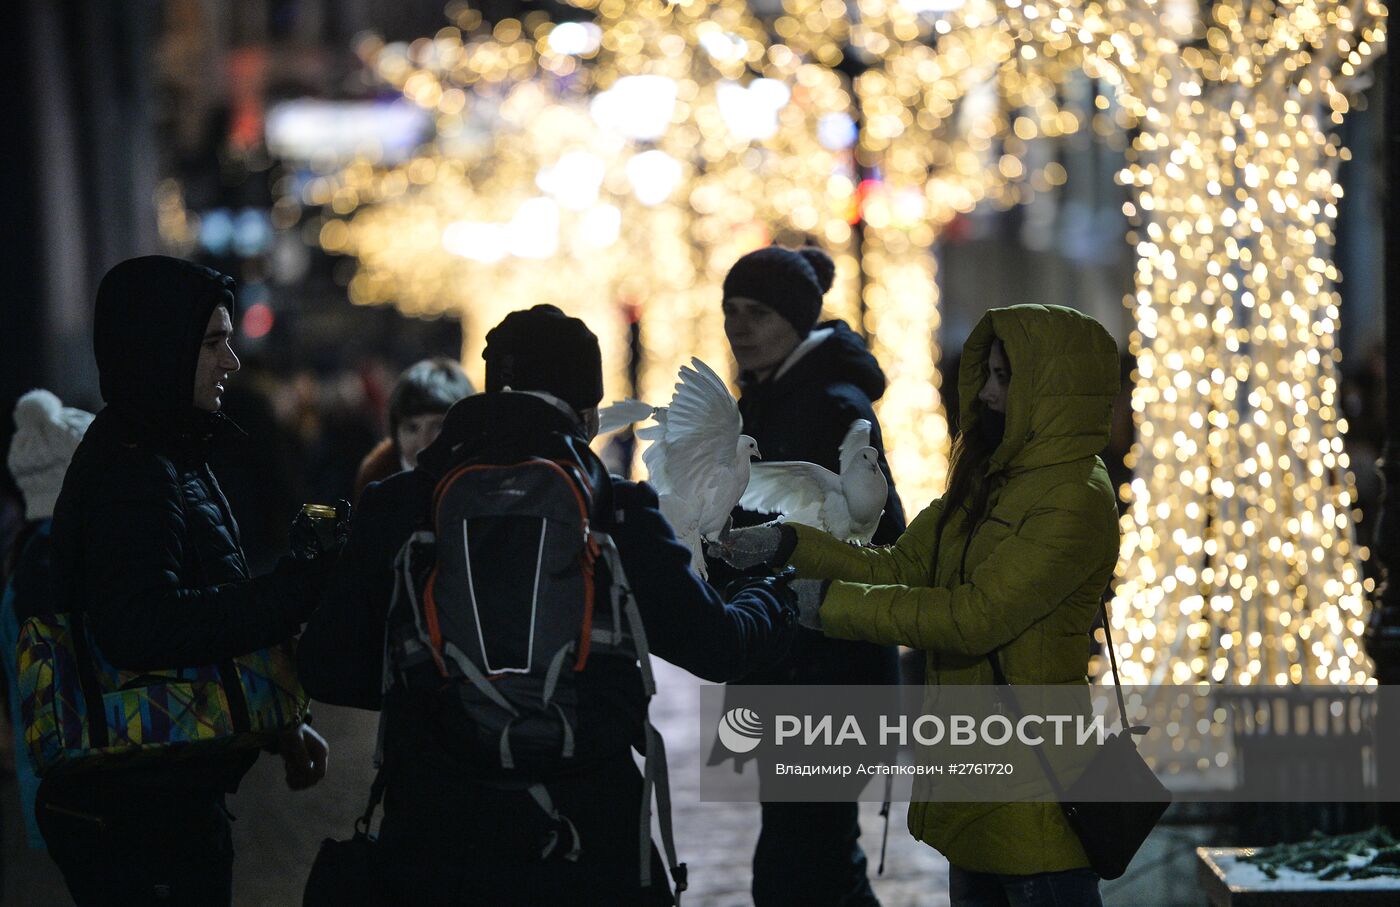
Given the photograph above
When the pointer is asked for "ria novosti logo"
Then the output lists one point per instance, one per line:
(740, 730)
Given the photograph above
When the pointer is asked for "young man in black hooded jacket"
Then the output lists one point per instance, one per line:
(145, 546)
(447, 837)
(801, 385)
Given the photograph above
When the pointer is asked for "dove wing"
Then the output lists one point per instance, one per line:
(789, 488)
(857, 437)
(623, 413)
(701, 434)
(655, 455)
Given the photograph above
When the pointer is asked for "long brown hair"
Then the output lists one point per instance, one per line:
(967, 475)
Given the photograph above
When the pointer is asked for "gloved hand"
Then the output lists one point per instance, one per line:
(777, 586)
(810, 593)
(745, 548)
(311, 538)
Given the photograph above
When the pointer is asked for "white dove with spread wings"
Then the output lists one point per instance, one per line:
(848, 506)
(698, 461)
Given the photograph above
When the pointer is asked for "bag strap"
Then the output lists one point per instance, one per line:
(376, 793)
(655, 777)
(885, 814)
(1004, 691)
(1001, 680)
(386, 680)
(87, 680)
(1113, 662)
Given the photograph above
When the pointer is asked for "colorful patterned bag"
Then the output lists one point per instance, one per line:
(80, 712)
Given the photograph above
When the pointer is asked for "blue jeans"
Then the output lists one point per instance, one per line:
(1070, 888)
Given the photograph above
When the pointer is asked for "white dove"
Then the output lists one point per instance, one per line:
(848, 506)
(698, 460)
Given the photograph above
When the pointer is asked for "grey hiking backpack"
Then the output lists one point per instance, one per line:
(497, 610)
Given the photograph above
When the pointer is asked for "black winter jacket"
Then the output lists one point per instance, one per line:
(803, 414)
(143, 540)
(341, 651)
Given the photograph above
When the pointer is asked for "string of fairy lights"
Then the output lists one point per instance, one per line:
(616, 165)
(1240, 563)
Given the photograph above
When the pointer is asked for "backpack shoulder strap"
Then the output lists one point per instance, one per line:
(655, 776)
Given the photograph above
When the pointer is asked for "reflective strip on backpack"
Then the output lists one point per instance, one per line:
(582, 489)
(534, 603)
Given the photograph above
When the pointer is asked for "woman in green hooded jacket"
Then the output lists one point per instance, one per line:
(1013, 559)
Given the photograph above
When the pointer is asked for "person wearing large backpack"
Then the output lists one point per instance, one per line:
(516, 589)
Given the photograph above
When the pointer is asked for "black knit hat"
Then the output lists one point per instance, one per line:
(789, 282)
(542, 349)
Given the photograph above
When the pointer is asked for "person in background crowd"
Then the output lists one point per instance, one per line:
(1005, 572)
(449, 835)
(420, 399)
(46, 435)
(801, 385)
(144, 545)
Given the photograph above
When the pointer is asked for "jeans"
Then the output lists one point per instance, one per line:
(1070, 888)
(133, 846)
(809, 855)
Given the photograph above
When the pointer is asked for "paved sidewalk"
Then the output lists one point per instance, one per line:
(277, 832)
(717, 839)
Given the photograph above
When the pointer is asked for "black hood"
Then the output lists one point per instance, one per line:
(149, 324)
(842, 357)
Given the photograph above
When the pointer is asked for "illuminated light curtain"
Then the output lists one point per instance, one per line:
(697, 140)
(758, 130)
(1240, 562)
(954, 98)
(516, 181)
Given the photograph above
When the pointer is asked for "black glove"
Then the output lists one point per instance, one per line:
(776, 586)
(312, 538)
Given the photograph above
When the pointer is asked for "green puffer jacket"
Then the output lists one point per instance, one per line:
(1035, 567)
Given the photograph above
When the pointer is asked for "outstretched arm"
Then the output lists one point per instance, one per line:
(907, 562)
(687, 622)
(1025, 578)
(341, 652)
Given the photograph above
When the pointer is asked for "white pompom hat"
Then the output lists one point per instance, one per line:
(46, 435)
